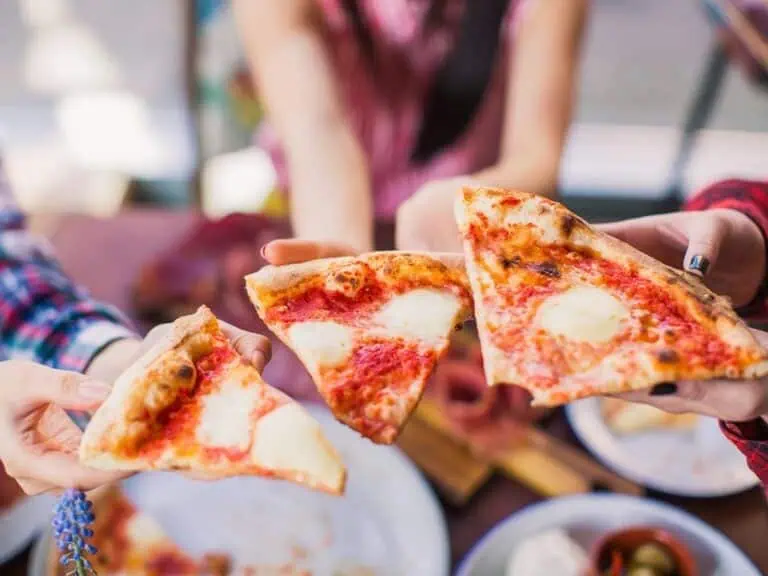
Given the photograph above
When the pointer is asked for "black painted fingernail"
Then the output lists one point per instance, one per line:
(664, 389)
(699, 263)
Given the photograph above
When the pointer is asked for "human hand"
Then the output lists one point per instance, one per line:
(425, 221)
(279, 252)
(723, 246)
(38, 440)
(730, 400)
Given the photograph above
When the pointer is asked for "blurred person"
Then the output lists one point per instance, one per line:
(60, 350)
(371, 102)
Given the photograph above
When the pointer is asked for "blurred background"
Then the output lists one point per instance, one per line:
(146, 101)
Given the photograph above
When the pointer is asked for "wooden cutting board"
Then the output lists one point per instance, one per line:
(542, 462)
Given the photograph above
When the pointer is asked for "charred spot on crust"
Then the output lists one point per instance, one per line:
(567, 224)
(548, 269)
(185, 372)
(668, 356)
(507, 262)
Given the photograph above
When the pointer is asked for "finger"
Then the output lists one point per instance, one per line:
(723, 399)
(36, 384)
(450, 259)
(279, 252)
(705, 235)
(255, 348)
(34, 488)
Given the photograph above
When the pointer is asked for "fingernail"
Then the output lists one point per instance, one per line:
(699, 264)
(664, 389)
(94, 389)
(263, 251)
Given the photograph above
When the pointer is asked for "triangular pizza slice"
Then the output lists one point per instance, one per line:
(192, 403)
(369, 329)
(566, 311)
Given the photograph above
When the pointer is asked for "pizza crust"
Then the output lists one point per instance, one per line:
(580, 312)
(283, 441)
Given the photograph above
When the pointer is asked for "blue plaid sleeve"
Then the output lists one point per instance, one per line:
(44, 316)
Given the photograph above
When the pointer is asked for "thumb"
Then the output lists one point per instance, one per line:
(37, 384)
(705, 235)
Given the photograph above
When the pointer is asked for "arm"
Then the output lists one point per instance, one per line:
(751, 199)
(46, 318)
(540, 96)
(330, 195)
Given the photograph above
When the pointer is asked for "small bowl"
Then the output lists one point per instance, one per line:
(630, 539)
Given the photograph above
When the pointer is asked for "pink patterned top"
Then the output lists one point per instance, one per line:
(386, 109)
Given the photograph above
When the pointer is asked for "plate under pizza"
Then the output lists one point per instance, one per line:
(685, 455)
(388, 522)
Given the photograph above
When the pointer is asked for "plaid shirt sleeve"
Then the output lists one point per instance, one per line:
(44, 316)
(751, 198)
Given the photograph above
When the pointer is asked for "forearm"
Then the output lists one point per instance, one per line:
(44, 316)
(330, 188)
(537, 175)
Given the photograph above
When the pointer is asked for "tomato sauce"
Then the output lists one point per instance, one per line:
(367, 390)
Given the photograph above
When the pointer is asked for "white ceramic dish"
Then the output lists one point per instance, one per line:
(388, 521)
(699, 463)
(587, 517)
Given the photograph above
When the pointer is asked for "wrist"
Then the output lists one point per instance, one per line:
(527, 176)
(110, 362)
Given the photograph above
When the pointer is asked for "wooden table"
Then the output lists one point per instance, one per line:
(105, 255)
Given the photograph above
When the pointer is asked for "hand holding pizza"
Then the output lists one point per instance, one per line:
(729, 400)
(724, 246)
(38, 440)
(425, 221)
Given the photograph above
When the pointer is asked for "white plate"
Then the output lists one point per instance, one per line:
(587, 517)
(389, 520)
(22, 522)
(700, 462)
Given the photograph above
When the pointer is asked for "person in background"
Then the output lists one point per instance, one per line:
(60, 350)
(722, 236)
(370, 103)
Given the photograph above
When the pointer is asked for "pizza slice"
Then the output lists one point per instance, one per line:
(192, 403)
(566, 311)
(130, 541)
(369, 329)
(624, 417)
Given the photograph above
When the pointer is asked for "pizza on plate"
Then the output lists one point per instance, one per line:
(624, 417)
(192, 403)
(566, 311)
(131, 542)
(369, 329)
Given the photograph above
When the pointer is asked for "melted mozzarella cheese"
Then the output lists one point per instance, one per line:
(583, 314)
(289, 439)
(225, 421)
(321, 343)
(425, 315)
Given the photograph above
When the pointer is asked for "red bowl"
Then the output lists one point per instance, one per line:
(627, 540)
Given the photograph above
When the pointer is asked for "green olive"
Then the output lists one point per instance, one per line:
(639, 570)
(655, 556)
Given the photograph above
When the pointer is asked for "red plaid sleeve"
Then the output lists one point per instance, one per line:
(750, 198)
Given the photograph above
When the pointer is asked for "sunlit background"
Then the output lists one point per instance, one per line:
(104, 102)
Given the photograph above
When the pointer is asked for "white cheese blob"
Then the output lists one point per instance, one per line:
(225, 420)
(425, 315)
(583, 314)
(289, 439)
(321, 343)
(548, 554)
